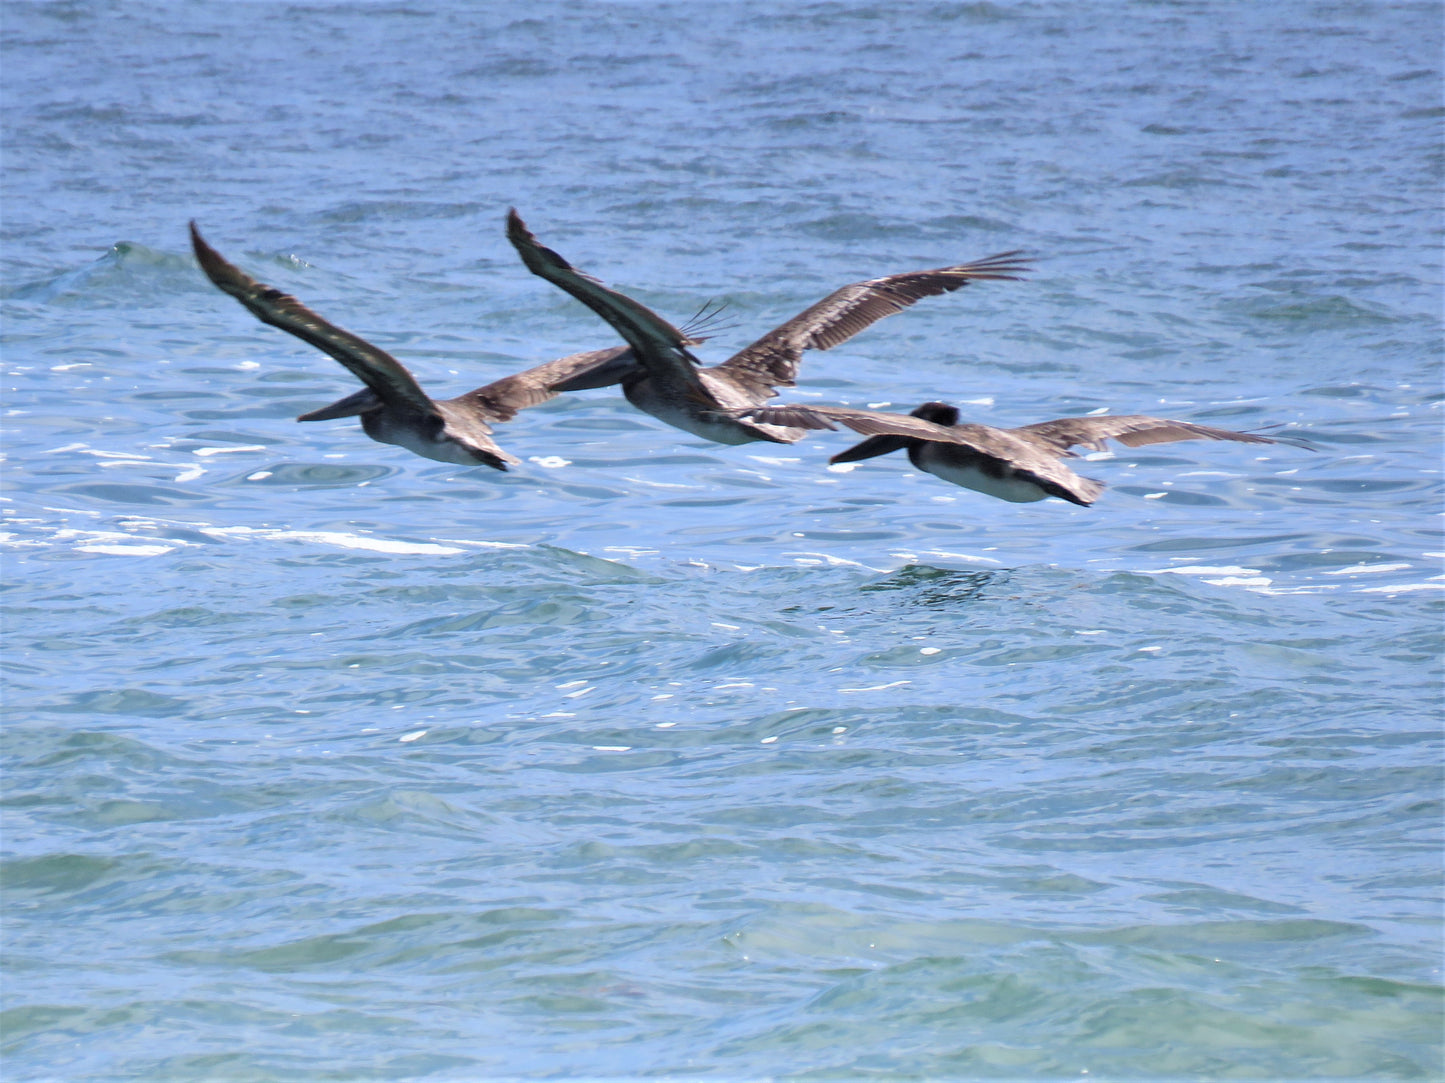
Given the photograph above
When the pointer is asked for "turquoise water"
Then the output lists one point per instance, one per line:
(657, 758)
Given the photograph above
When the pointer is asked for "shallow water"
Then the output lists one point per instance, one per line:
(653, 757)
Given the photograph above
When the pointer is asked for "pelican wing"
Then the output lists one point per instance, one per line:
(374, 367)
(1132, 430)
(985, 439)
(501, 399)
(772, 361)
(660, 347)
(866, 422)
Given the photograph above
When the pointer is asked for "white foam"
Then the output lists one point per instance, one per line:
(206, 451)
(971, 558)
(1240, 581)
(810, 559)
(1201, 569)
(125, 550)
(338, 538)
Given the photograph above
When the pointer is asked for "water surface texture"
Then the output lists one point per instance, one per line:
(658, 758)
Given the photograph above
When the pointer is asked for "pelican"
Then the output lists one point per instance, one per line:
(393, 408)
(664, 379)
(1019, 465)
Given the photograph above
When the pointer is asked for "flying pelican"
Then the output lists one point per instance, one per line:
(393, 408)
(1019, 465)
(664, 379)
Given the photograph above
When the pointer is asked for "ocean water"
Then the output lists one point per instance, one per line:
(653, 758)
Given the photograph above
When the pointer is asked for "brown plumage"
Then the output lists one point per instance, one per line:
(667, 381)
(1019, 465)
(393, 408)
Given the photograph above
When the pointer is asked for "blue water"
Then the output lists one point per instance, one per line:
(658, 758)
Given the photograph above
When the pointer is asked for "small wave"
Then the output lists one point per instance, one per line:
(142, 537)
(128, 274)
(1330, 311)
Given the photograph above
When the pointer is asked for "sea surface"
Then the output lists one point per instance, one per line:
(655, 758)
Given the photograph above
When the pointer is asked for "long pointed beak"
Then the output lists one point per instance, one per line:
(870, 448)
(360, 402)
(606, 374)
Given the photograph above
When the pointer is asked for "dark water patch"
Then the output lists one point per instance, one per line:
(847, 226)
(385, 210)
(1172, 496)
(1281, 932)
(1322, 313)
(1195, 543)
(1184, 179)
(55, 873)
(1345, 391)
(211, 437)
(1353, 485)
(185, 617)
(275, 410)
(123, 701)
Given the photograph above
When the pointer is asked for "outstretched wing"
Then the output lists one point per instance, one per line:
(1136, 430)
(866, 422)
(660, 347)
(772, 361)
(501, 399)
(374, 367)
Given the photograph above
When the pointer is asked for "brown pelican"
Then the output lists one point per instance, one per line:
(663, 378)
(1019, 465)
(393, 408)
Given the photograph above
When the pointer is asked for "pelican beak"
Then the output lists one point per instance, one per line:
(870, 448)
(363, 401)
(605, 374)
